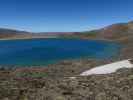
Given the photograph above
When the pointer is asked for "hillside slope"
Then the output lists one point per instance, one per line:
(10, 33)
(117, 31)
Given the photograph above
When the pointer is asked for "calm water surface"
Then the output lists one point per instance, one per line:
(47, 51)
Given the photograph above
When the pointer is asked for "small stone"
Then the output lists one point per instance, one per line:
(131, 77)
(23, 98)
(60, 98)
(101, 96)
(6, 99)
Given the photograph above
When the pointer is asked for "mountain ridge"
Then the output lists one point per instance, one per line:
(113, 31)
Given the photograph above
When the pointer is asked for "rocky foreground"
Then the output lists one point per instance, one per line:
(25, 84)
(62, 82)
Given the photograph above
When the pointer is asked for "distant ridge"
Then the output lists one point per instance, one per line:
(114, 31)
(11, 33)
(10, 30)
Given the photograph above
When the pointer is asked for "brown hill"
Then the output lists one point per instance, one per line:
(10, 33)
(113, 32)
(117, 31)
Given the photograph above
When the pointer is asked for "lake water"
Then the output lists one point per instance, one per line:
(48, 51)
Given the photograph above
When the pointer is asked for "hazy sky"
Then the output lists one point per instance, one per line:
(63, 15)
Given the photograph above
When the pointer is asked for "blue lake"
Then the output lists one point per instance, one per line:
(48, 51)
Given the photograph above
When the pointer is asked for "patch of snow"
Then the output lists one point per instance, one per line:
(72, 77)
(108, 68)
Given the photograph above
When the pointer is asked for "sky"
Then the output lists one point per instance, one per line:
(63, 15)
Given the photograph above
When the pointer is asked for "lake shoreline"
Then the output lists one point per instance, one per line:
(26, 38)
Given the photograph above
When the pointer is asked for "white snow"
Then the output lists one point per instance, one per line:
(108, 68)
(72, 77)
